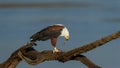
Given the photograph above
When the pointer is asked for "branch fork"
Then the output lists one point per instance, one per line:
(31, 56)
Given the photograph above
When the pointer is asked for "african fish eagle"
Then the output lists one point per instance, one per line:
(51, 32)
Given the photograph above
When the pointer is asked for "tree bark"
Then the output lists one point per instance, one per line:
(31, 56)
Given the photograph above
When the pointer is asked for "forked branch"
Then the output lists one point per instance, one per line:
(33, 57)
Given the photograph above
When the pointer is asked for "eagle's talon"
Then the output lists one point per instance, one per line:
(56, 51)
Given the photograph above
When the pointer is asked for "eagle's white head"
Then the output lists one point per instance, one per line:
(64, 32)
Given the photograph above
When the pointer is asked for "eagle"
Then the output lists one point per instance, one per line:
(51, 32)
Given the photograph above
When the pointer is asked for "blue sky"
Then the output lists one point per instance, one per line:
(86, 24)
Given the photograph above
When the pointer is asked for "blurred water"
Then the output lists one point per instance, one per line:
(87, 23)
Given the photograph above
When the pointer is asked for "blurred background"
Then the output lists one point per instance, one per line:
(87, 21)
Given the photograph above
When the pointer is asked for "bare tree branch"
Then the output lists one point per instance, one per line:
(92, 45)
(33, 57)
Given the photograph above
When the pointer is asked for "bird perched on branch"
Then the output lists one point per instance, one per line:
(51, 32)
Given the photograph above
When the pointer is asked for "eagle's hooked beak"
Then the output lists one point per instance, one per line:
(67, 38)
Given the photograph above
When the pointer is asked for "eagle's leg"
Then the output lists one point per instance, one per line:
(53, 42)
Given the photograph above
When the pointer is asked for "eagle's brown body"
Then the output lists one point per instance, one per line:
(50, 32)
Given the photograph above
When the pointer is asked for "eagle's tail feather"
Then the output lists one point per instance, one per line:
(33, 41)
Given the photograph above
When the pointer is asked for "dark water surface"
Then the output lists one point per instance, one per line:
(87, 21)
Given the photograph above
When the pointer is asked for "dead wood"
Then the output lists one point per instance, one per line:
(33, 57)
